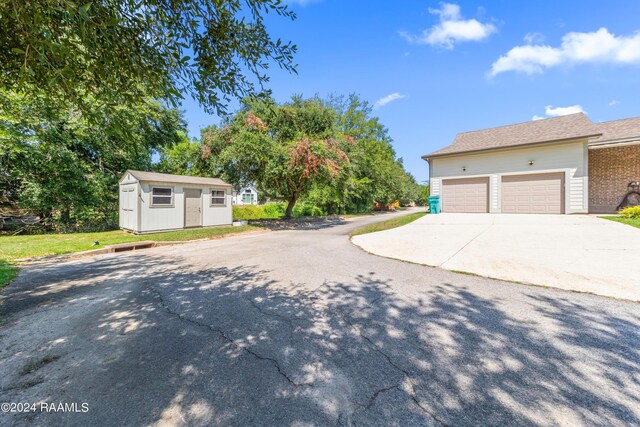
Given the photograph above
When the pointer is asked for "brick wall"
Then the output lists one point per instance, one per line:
(610, 170)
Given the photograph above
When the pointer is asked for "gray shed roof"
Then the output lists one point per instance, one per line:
(568, 127)
(175, 179)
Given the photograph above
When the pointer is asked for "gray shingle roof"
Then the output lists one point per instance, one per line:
(619, 129)
(175, 179)
(537, 131)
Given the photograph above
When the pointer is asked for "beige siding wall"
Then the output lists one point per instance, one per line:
(494, 193)
(569, 158)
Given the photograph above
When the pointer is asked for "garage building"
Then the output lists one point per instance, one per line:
(153, 202)
(559, 165)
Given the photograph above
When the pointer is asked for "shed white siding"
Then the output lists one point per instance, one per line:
(159, 218)
(138, 214)
(569, 158)
(216, 215)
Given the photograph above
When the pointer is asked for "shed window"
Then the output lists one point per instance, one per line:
(162, 196)
(218, 198)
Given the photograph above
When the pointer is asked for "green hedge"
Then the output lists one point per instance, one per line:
(273, 211)
(247, 212)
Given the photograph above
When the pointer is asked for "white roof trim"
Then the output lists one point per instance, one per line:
(614, 143)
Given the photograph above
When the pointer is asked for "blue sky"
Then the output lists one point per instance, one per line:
(451, 67)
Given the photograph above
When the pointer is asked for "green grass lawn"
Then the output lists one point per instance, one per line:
(40, 245)
(629, 221)
(8, 272)
(388, 224)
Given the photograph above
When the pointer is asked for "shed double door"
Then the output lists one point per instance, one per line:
(127, 208)
(192, 207)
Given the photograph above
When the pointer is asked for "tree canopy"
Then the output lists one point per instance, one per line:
(60, 166)
(116, 52)
(285, 149)
(332, 154)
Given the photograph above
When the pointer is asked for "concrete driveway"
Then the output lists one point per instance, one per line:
(574, 252)
(302, 328)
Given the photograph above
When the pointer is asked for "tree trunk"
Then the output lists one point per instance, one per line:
(290, 205)
(65, 216)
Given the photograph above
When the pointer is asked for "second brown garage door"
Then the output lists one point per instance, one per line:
(465, 195)
(539, 193)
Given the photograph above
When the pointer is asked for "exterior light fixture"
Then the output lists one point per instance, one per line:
(530, 162)
(464, 169)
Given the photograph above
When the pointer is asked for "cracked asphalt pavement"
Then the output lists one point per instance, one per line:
(299, 327)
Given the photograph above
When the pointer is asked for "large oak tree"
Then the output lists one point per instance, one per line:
(116, 52)
(285, 149)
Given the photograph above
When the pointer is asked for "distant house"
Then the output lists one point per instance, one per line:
(246, 196)
(151, 202)
(559, 165)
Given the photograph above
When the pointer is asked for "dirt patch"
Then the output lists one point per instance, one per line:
(304, 223)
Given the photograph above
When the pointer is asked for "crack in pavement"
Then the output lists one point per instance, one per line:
(373, 398)
(467, 244)
(276, 364)
(413, 393)
(406, 374)
(231, 341)
(268, 314)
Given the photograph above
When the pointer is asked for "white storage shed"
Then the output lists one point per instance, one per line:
(153, 202)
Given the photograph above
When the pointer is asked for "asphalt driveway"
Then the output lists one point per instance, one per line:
(299, 327)
(574, 252)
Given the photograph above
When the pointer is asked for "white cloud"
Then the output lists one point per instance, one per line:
(596, 47)
(613, 103)
(551, 111)
(387, 99)
(453, 28)
(533, 38)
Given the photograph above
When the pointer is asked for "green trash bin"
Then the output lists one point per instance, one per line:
(434, 204)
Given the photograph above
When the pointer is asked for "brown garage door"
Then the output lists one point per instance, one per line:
(465, 195)
(539, 193)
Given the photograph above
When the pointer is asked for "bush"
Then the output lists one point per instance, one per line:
(306, 209)
(248, 212)
(274, 210)
(631, 212)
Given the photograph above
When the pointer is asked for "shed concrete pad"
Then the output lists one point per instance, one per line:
(574, 252)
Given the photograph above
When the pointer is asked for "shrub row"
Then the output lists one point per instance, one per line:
(273, 211)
